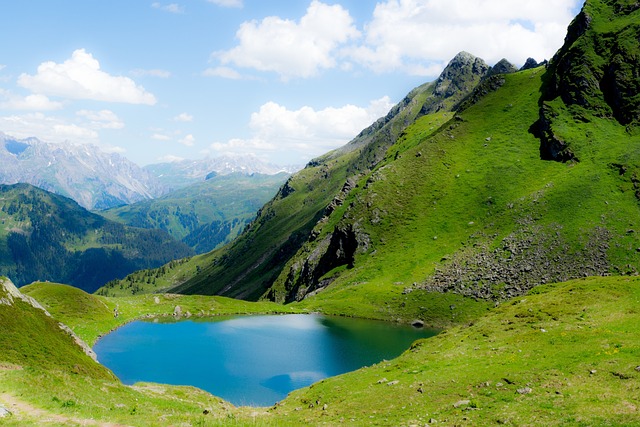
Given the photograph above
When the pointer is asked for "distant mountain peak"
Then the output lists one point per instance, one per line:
(83, 172)
(185, 172)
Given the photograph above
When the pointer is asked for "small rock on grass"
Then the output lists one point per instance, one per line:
(524, 390)
(461, 403)
(4, 412)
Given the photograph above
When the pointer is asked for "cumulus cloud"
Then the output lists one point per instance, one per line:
(306, 131)
(103, 119)
(47, 128)
(187, 141)
(418, 36)
(34, 102)
(293, 49)
(172, 7)
(160, 137)
(227, 3)
(80, 77)
(163, 74)
(183, 117)
(224, 72)
(74, 132)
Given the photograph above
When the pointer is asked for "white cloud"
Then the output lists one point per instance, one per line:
(227, 3)
(418, 36)
(224, 72)
(172, 7)
(80, 77)
(187, 141)
(306, 131)
(74, 132)
(293, 49)
(160, 137)
(163, 74)
(183, 117)
(2, 67)
(103, 119)
(34, 102)
(47, 128)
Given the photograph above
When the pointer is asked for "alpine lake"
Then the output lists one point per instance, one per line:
(251, 360)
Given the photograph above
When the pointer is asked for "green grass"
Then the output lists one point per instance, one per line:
(91, 316)
(457, 194)
(575, 345)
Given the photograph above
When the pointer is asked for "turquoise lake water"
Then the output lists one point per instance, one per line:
(251, 360)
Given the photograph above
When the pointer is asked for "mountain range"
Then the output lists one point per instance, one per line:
(98, 180)
(484, 183)
(499, 206)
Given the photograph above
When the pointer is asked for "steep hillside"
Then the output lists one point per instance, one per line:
(247, 267)
(475, 209)
(31, 338)
(44, 236)
(82, 172)
(206, 214)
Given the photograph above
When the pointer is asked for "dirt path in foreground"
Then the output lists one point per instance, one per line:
(23, 411)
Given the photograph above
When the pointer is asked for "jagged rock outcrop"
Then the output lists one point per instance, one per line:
(531, 63)
(597, 70)
(457, 80)
(503, 67)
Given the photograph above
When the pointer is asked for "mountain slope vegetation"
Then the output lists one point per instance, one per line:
(204, 215)
(248, 266)
(462, 220)
(475, 208)
(44, 236)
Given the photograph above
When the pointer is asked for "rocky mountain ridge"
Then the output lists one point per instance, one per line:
(95, 179)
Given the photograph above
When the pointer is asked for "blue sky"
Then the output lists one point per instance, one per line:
(286, 80)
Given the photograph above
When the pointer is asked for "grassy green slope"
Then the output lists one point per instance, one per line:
(247, 267)
(442, 212)
(565, 354)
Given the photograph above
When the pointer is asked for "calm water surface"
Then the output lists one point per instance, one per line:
(250, 360)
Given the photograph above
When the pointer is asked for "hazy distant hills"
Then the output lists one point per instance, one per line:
(179, 174)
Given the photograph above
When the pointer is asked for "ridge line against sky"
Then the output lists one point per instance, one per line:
(287, 81)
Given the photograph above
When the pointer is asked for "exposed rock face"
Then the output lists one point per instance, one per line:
(503, 67)
(532, 63)
(458, 79)
(597, 70)
(335, 250)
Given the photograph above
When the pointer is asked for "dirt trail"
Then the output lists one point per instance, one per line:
(23, 411)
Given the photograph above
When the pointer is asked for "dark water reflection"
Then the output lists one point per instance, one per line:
(251, 360)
